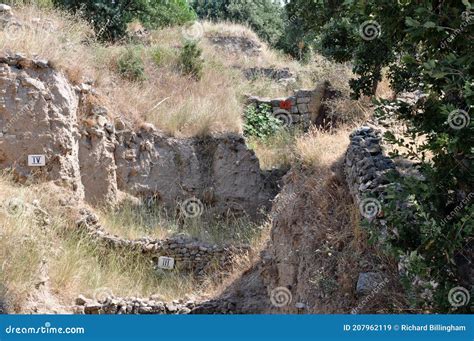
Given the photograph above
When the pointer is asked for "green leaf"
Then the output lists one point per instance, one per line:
(411, 22)
(429, 24)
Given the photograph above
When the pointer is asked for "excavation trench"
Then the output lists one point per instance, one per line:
(76, 144)
(80, 146)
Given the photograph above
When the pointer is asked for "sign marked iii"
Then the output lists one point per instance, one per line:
(166, 263)
(36, 160)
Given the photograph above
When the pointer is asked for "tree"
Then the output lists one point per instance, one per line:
(263, 16)
(424, 45)
(110, 17)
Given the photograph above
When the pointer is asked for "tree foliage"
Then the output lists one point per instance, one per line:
(425, 46)
(110, 18)
(263, 16)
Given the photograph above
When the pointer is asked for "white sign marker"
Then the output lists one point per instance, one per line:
(166, 263)
(36, 160)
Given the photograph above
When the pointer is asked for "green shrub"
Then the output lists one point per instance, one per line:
(263, 16)
(425, 47)
(162, 56)
(110, 18)
(130, 65)
(260, 122)
(190, 60)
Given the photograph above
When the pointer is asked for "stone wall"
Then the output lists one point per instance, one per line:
(189, 254)
(38, 115)
(130, 305)
(365, 164)
(302, 108)
(220, 171)
(237, 44)
(41, 113)
(283, 74)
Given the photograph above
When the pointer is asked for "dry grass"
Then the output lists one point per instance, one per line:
(276, 151)
(191, 107)
(81, 266)
(318, 149)
(132, 222)
(76, 265)
(174, 103)
(52, 35)
(321, 69)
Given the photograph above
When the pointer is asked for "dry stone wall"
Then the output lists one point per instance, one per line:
(366, 166)
(282, 75)
(237, 44)
(188, 254)
(302, 108)
(130, 305)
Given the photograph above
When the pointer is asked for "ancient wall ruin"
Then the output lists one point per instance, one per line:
(303, 108)
(365, 164)
(42, 114)
(38, 116)
(188, 254)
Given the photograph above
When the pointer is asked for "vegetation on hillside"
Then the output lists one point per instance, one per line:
(424, 46)
(110, 18)
(265, 17)
(189, 87)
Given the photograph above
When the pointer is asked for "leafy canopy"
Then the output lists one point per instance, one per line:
(425, 46)
(110, 17)
(263, 16)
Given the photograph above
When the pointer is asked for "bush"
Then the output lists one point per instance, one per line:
(190, 60)
(130, 65)
(263, 16)
(110, 18)
(162, 56)
(425, 46)
(260, 122)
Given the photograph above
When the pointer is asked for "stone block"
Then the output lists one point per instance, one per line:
(303, 108)
(303, 100)
(304, 93)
